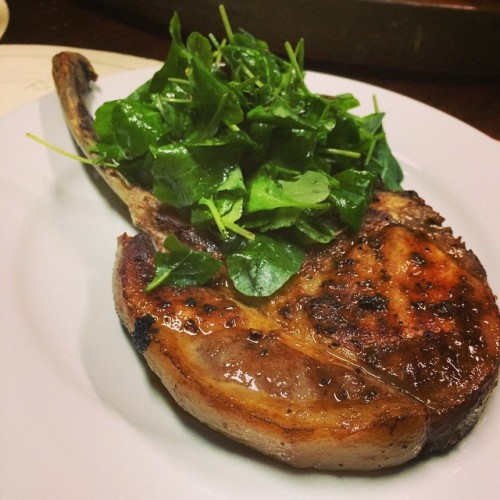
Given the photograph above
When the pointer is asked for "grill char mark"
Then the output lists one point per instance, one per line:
(353, 355)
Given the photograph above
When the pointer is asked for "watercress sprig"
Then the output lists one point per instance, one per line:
(230, 134)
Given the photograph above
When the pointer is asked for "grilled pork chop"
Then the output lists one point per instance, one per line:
(383, 348)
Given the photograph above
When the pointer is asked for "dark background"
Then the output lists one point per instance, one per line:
(457, 68)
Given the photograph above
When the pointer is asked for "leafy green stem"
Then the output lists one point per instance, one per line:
(72, 156)
(235, 228)
(216, 117)
(342, 152)
(293, 59)
(223, 226)
(226, 23)
(181, 81)
(371, 148)
(209, 203)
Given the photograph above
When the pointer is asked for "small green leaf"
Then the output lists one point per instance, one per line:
(352, 194)
(182, 266)
(279, 113)
(177, 60)
(213, 96)
(260, 267)
(127, 128)
(388, 168)
(307, 190)
(272, 220)
(319, 230)
(184, 174)
(136, 127)
(200, 45)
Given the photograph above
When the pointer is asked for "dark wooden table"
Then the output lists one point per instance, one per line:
(474, 99)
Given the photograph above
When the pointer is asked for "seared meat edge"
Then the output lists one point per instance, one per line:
(385, 346)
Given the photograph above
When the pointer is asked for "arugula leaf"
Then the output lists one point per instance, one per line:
(179, 179)
(352, 194)
(200, 45)
(228, 133)
(176, 64)
(127, 128)
(380, 159)
(225, 207)
(182, 266)
(388, 168)
(318, 229)
(185, 173)
(216, 102)
(279, 113)
(262, 266)
(249, 57)
(307, 190)
(272, 220)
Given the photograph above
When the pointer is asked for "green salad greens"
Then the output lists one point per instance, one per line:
(230, 135)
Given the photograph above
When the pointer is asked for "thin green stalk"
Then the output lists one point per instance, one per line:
(176, 100)
(240, 230)
(209, 203)
(224, 226)
(181, 81)
(72, 156)
(226, 23)
(342, 152)
(293, 60)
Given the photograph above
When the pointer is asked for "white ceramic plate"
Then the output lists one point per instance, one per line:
(80, 415)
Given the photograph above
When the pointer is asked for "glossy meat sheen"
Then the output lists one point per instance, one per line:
(238, 370)
(383, 348)
(410, 302)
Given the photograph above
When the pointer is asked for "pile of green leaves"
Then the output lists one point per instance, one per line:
(230, 135)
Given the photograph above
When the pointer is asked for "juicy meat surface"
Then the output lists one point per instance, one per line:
(383, 348)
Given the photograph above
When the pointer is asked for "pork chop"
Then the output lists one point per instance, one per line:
(383, 348)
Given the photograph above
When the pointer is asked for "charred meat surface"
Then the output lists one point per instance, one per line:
(383, 348)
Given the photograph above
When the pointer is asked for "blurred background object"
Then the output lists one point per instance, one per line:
(445, 36)
(4, 17)
(444, 53)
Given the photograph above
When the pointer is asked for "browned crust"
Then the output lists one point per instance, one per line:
(313, 428)
(384, 347)
(374, 385)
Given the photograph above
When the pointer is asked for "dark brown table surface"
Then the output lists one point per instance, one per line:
(474, 99)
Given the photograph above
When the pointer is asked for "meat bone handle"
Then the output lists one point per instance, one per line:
(73, 76)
